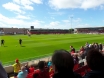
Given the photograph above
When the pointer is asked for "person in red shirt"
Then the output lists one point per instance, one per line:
(31, 69)
(82, 49)
(42, 72)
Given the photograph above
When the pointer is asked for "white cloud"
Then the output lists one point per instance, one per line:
(37, 1)
(56, 23)
(63, 4)
(17, 1)
(22, 17)
(66, 21)
(83, 26)
(2, 24)
(7, 20)
(28, 7)
(20, 5)
(22, 23)
(77, 20)
(27, 4)
(67, 4)
(56, 13)
(91, 3)
(12, 7)
(37, 23)
(11, 22)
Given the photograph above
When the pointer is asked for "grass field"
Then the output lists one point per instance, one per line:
(41, 45)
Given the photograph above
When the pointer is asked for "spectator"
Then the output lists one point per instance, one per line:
(46, 66)
(82, 49)
(63, 65)
(41, 73)
(95, 61)
(23, 73)
(17, 67)
(75, 58)
(100, 47)
(87, 44)
(72, 49)
(96, 46)
(3, 73)
(87, 49)
(27, 68)
(49, 63)
(31, 69)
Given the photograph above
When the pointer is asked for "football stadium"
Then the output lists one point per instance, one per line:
(52, 39)
(41, 43)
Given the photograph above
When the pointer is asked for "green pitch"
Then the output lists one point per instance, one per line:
(38, 46)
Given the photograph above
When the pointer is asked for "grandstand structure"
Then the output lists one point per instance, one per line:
(90, 30)
(48, 31)
(12, 31)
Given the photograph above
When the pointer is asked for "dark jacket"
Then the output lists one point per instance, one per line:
(100, 47)
(66, 75)
(94, 74)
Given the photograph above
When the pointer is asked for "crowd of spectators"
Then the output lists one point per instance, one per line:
(88, 62)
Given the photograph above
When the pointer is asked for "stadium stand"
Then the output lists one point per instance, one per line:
(13, 31)
(91, 30)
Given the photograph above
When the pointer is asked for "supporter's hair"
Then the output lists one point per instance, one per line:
(95, 60)
(62, 60)
(41, 65)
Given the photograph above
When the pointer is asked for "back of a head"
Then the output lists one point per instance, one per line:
(95, 60)
(41, 65)
(62, 60)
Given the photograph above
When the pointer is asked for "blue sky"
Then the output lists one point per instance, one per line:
(51, 13)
